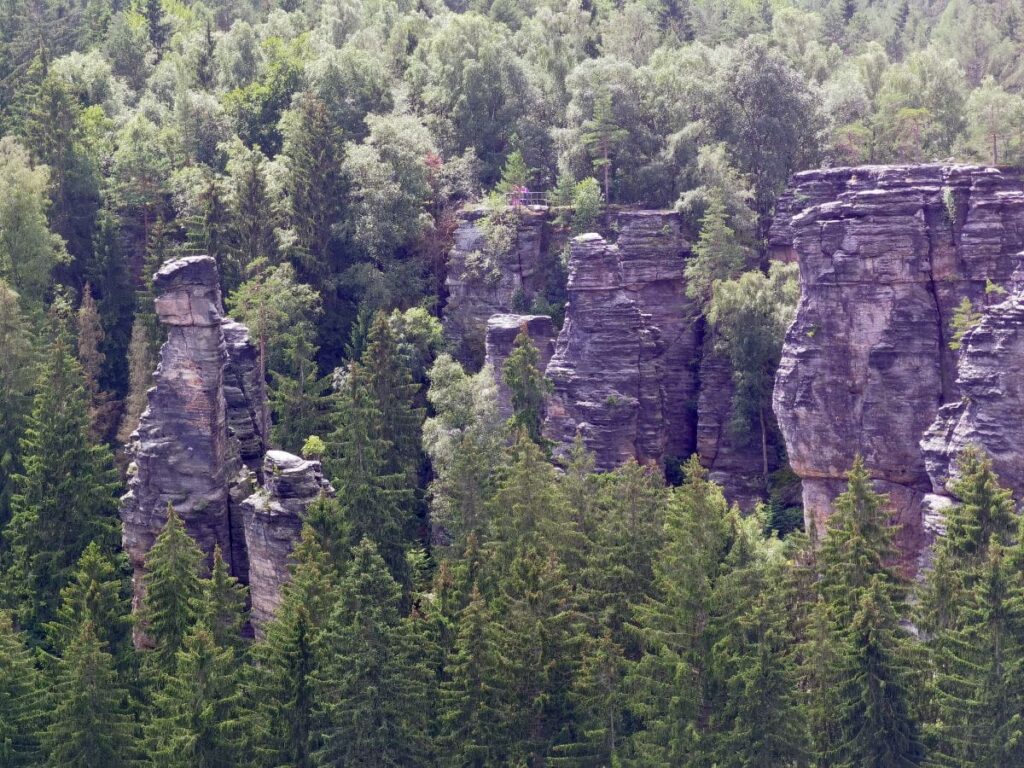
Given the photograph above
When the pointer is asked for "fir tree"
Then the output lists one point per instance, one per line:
(66, 496)
(196, 710)
(21, 701)
(281, 727)
(171, 604)
(371, 685)
(527, 386)
(91, 725)
(251, 223)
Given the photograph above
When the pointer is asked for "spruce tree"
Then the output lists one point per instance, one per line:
(196, 710)
(91, 358)
(977, 663)
(223, 604)
(251, 226)
(873, 717)
(17, 378)
(527, 386)
(300, 398)
(90, 725)
(65, 497)
(281, 729)
(22, 706)
(172, 601)
(670, 682)
(97, 593)
(140, 377)
(395, 392)
(472, 708)
(371, 685)
(539, 637)
(857, 547)
(376, 502)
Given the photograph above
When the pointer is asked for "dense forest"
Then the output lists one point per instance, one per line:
(464, 599)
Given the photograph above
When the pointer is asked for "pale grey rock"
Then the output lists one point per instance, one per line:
(502, 331)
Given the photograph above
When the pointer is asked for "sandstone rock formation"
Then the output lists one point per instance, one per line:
(502, 331)
(481, 285)
(885, 255)
(272, 518)
(181, 450)
(201, 444)
(990, 408)
(624, 363)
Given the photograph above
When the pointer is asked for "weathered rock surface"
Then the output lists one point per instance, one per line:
(481, 286)
(990, 410)
(885, 255)
(204, 425)
(273, 519)
(502, 331)
(623, 368)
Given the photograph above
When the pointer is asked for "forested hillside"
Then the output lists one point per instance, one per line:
(468, 597)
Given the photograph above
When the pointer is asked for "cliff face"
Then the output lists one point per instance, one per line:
(624, 363)
(990, 409)
(201, 441)
(885, 255)
(481, 285)
(273, 519)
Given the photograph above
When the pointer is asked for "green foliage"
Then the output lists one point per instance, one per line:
(171, 604)
(586, 205)
(91, 724)
(22, 706)
(65, 496)
(527, 387)
(964, 319)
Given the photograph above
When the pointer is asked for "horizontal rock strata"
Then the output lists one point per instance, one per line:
(885, 255)
(272, 518)
(623, 368)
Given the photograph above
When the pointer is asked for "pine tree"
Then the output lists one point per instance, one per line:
(21, 702)
(91, 725)
(876, 728)
(602, 137)
(717, 254)
(196, 710)
(172, 600)
(376, 503)
(66, 496)
(977, 665)
(223, 605)
(371, 685)
(281, 727)
(527, 386)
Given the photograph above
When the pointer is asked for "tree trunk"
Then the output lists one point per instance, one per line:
(764, 445)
